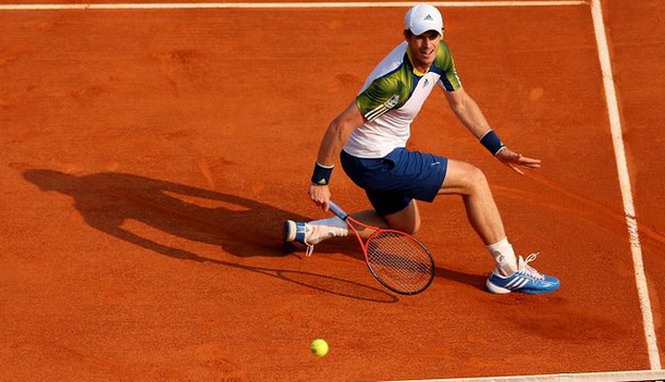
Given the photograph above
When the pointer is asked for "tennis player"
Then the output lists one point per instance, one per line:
(371, 135)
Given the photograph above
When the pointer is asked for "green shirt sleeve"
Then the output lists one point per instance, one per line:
(445, 64)
(382, 95)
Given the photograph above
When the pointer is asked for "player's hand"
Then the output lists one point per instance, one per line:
(320, 195)
(517, 162)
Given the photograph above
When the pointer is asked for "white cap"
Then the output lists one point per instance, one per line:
(422, 18)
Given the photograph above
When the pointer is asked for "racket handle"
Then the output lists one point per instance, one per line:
(338, 211)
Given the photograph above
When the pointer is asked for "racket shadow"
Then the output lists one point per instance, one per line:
(349, 247)
(242, 227)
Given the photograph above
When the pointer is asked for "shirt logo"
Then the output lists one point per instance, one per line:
(392, 102)
(382, 108)
(426, 83)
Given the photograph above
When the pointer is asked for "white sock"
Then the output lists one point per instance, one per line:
(326, 228)
(504, 255)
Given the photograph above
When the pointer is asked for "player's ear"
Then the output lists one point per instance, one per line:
(407, 34)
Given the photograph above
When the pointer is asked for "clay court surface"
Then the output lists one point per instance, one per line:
(149, 157)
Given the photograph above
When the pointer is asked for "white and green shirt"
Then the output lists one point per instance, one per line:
(392, 97)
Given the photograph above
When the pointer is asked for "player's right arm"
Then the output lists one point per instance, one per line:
(382, 95)
(335, 137)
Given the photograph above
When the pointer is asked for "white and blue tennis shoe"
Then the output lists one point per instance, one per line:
(307, 235)
(524, 280)
(301, 234)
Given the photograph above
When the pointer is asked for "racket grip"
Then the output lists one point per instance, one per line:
(338, 211)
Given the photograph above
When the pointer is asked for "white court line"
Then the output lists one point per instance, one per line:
(616, 376)
(445, 4)
(624, 181)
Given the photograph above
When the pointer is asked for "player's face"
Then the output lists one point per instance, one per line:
(423, 48)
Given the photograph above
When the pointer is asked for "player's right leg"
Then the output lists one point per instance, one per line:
(390, 209)
(407, 220)
(308, 234)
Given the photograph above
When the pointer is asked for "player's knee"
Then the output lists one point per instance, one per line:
(464, 178)
(476, 178)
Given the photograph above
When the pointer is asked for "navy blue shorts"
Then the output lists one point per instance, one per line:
(393, 181)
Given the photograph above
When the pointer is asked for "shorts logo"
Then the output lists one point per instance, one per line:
(383, 108)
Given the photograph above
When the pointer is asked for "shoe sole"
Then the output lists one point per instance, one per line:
(499, 290)
(496, 289)
(289, 231)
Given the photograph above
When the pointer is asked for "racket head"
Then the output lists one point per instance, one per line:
(399, 261)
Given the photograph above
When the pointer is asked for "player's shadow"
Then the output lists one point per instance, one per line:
(242, 227)
(107, 201)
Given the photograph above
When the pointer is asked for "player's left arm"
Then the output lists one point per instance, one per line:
(469, 113)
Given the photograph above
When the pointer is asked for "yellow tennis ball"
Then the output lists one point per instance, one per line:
(319, 347)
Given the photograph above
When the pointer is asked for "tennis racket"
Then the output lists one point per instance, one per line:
(397, 260)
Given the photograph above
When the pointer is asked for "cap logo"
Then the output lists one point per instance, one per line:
(428, 18)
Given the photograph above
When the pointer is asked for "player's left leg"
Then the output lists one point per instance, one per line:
(511, 273)
(467, 180)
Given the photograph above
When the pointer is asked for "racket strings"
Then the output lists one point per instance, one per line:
(400, 261)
